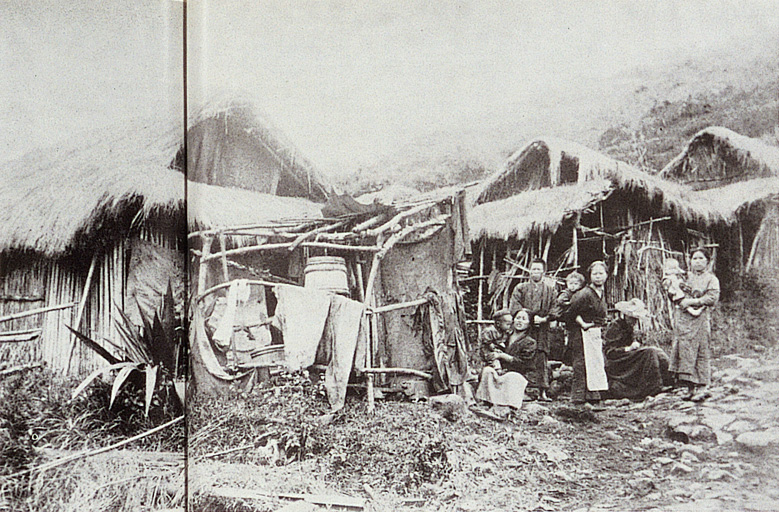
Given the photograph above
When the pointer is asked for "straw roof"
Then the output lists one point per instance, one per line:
(231, 142)
(53, 201)
(547, 208)
(545, 162)
(729, 199)
(52, 197)
(210, 207)
(716, 155)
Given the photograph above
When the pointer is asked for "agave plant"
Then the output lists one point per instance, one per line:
(151, 351)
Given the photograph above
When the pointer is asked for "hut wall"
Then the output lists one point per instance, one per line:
(764, 254)
(406, 273)
(22, 288)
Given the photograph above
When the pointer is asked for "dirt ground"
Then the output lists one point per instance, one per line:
(662, 453)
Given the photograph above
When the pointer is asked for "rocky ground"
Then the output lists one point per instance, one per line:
(663, 453)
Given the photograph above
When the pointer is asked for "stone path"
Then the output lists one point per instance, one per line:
(722, 453)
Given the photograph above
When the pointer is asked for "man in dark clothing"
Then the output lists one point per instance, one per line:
(538, 298)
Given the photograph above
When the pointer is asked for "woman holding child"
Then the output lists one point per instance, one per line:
(691, 351)
(509, 355)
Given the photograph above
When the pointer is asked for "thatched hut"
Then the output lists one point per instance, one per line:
(716, 156)
(100, 223)
(231, 143)
(570, 205)
(738, 176)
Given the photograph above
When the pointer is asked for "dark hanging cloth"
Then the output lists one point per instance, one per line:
(637, 373)
(442, 329)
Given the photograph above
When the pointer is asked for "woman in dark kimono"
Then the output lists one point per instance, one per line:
(633, 371)
(588, 309)
(691, 351)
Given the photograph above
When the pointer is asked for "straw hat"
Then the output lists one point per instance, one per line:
(634, 308)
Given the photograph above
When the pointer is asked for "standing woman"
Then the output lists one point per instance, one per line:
(691, 350)
(588, 308)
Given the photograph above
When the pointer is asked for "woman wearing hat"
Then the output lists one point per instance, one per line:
(633, 371)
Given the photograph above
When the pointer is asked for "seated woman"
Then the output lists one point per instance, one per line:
(522, 352)
(505, 386)
(633, 371)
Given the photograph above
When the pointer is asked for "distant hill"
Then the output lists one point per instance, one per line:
(644, 117)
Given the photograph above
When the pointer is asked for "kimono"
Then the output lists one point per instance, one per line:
(592, 308)
(691, 350)
(633, 374)
(506, 386)
(538, 299)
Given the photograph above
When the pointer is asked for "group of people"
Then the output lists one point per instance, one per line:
(607, 358)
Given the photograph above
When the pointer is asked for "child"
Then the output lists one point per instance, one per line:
(573, 283)
(493, 339)
(673, 277)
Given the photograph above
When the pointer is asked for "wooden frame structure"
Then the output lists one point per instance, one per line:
(365, 239)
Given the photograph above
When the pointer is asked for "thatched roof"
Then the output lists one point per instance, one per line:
(717, 156)
(546, 162)
(729, 199)
(231, 143)
(55, 200)
(547, 208)
(210, 207)
(51, 198)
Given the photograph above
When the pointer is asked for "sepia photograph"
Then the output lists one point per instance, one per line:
(459, 255)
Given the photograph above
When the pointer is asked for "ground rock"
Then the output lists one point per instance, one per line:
(680, 468)
(617, 403)
(758, 441)
(716, 419)
(451, 407)
(692, 433)
(689, 458)
(676, 419)
(723, 437)
(549, 420)
(690, 448)
(740, 426)
(641, 486)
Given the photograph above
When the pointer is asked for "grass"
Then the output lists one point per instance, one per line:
(40, 422)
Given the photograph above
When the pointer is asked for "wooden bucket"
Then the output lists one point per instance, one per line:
(327, 273)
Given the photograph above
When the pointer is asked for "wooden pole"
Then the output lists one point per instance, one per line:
(203, 268)
(479, 306)
(369, 301)
(223, 256)
(37, 311)
(400, 305)
(81, 306)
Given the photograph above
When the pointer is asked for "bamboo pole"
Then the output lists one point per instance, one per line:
(223, 256)
(408, 371)
(81, 305)
(37, 311)
(394, 307)
(370, 300)
(339, 247)
(305, 236)
(82, 455)
(479, 306)
(398, 218)
(203, 270)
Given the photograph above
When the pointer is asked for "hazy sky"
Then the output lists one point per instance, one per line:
(349, 82)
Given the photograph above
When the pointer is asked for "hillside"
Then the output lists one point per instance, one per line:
(643, 117)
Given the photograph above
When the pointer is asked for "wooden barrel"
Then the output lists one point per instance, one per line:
(327, 273)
